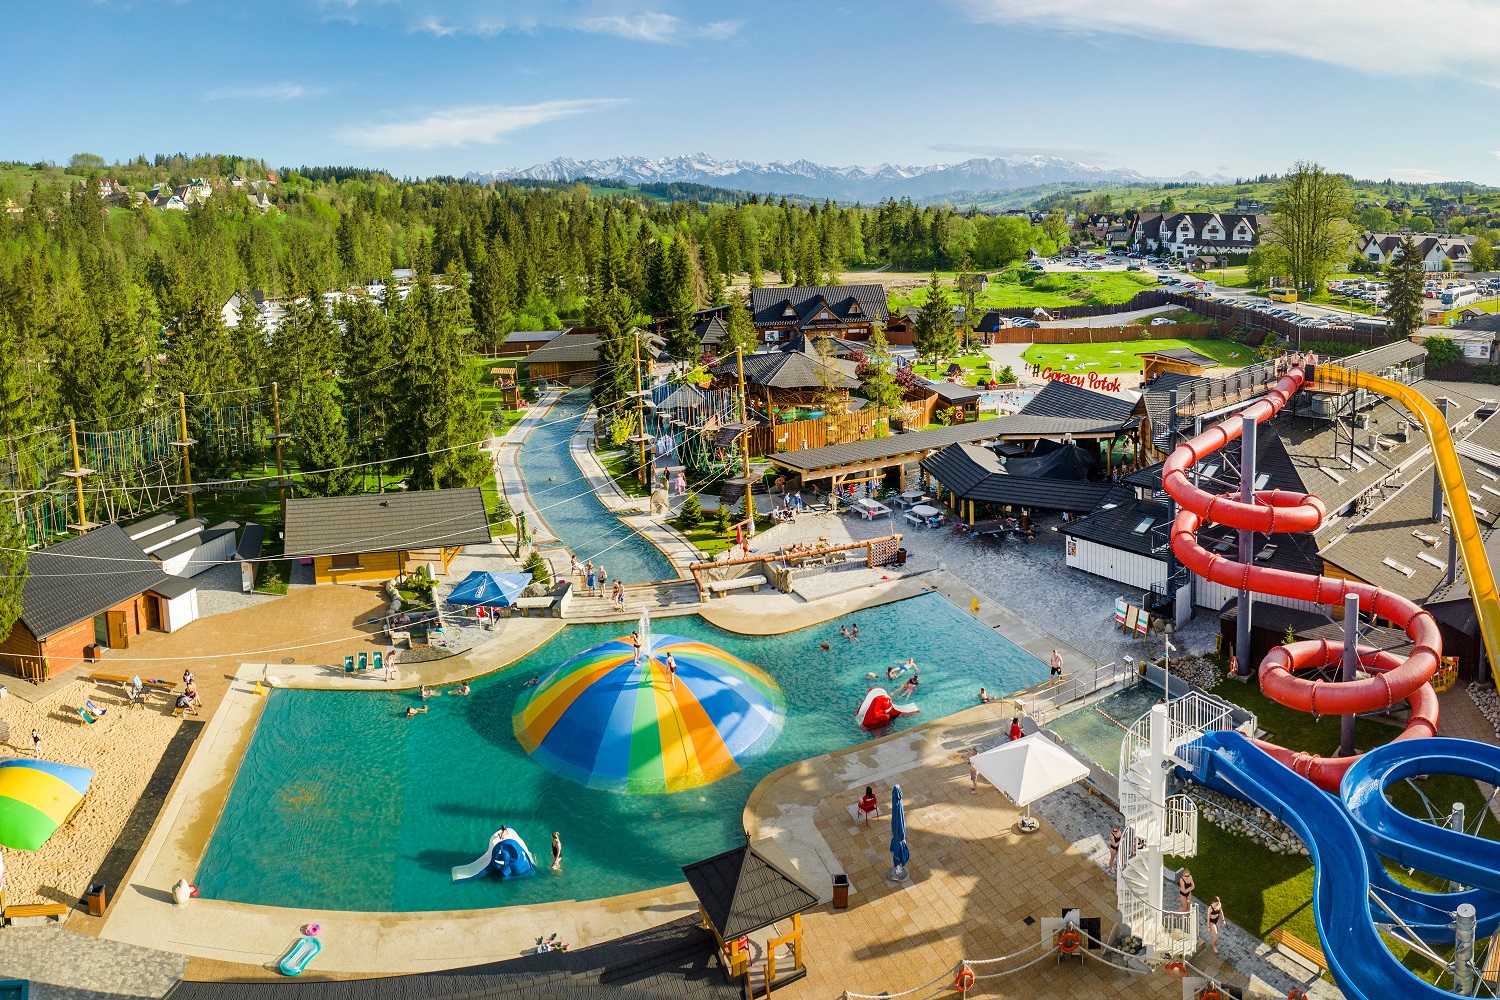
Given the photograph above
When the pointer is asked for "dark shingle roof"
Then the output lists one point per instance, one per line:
(533, 336)
(1401, 352)
(710, 331)
(382, 522)
(83, 576)
(1184, 354)
(573, 346)
(174, 586)
(975, 473)
(953, 392)
(1064, 399)
(791, 370)
(883, 449)
(1138, 526)
(742, 890)
(768, 305)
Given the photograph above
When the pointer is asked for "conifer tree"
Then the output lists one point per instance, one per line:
(1403, 300)
(323, 437)
(739, 328)
(936, 337)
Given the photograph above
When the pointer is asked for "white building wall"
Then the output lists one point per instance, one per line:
(178, 611)
(1130, 568)
(214, 552)
(1207, 594)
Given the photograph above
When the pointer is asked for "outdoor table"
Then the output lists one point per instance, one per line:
(911, 494)
(923, 510)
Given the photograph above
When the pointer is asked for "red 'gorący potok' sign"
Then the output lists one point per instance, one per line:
(1099, 383)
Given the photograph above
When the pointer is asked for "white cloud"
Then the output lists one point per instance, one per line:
(264, 92)
(1417, 175)
(1435, 37)
(651, 27)
(472, 126)
(656, 27)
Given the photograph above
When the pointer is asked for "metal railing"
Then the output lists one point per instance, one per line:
(1044, 703)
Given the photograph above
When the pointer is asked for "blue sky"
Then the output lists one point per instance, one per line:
(1379, 88)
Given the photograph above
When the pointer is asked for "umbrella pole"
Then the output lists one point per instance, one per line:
(1028, 823)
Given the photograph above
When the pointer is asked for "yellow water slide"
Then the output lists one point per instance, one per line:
(1461, 520)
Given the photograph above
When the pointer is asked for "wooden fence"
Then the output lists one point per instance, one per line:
(799, 434)
(1101, 334)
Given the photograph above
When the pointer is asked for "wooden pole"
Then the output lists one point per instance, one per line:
(640, 408)
(83, 522)
(187, 469)
(280, 475)
(739, 360)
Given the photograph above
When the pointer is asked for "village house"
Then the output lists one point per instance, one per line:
(1188, 234)
(846, 311)
(1435, 248)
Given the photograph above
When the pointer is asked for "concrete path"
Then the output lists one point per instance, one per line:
(60, 962)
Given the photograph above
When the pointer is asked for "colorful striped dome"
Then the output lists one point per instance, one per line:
(605, 721)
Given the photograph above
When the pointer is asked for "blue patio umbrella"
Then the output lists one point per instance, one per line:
(900, 853)
(489, 589)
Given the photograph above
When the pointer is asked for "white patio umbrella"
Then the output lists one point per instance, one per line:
(1029, 768)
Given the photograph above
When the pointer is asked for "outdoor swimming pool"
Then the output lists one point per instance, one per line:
(340, 803)
(1096, 730)
(572, 511)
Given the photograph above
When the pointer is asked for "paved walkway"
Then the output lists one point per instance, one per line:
(59, 963)
(974, 880)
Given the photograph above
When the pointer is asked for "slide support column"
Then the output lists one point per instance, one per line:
(1351, 664)
(1247, 544)
(1463, 950)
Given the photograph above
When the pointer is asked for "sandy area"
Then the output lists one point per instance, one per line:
(122, 748)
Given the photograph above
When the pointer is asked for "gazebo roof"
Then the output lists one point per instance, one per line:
(742, 890)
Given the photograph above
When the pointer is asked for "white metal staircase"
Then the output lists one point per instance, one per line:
(1158, 824)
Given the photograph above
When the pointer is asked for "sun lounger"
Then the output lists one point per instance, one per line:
(88, 716)
(349, 664)
(364, 662)
(379, 661)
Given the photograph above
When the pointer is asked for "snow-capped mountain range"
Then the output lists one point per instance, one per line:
(803, 177)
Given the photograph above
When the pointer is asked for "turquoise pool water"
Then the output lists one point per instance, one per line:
(570, 508)
(341, 803)
(1098, 729)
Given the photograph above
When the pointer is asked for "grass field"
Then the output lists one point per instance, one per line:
(1114, 357)
(1066, 288)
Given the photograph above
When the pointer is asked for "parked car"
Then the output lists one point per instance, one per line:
(1163, 321)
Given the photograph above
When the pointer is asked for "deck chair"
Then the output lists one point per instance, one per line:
(349, 664)
(379, 665)
(89, 717)
(364, 662)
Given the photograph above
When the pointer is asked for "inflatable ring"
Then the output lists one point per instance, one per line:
(1210, 993)
(964, 981)
(1068, 941)
(1296, 995)
(1178, 969)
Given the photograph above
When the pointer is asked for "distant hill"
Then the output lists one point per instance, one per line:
(943, 182)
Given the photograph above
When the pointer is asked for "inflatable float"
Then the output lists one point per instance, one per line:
(877, 711)
(300, 955)
(507, 855)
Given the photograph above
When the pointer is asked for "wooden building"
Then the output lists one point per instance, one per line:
(380, 536)
(1177, 361)
(93, 590)
(840, 310)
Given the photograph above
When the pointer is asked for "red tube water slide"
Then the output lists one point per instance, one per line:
(1390, 679)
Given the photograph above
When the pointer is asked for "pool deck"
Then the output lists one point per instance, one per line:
(973, 878)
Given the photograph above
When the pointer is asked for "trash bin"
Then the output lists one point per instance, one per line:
(95, 898)
(841, 891)
(900, 557)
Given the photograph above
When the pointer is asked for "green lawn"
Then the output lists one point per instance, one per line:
(1067, 288)
(1262, 890)
(1114, 357)
(975, 366)
(1176, 315)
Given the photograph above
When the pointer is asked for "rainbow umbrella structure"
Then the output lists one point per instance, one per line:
(606, 721)
(37, 797)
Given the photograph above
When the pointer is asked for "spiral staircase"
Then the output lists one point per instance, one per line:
(1159, 824)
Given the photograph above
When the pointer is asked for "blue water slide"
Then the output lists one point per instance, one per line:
(1359, 960)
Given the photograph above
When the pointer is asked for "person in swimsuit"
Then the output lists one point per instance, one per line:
(1215, 921)
(1185, 889)
(671, 673)
(556, 851)
(635, 644)
(1115, 833)
(1055, 674)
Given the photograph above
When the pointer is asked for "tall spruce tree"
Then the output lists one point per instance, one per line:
(739, 328)
(323, 438)
(1403, 297)
(936, 337)
(614, 314)
(682, 343)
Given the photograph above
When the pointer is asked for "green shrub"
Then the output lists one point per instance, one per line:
(1441, 350)
(691, 514)
(537, 566)
(721, 519)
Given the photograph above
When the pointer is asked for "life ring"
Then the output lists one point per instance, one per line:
(1210, 993)
(1296, 995)
(964, 981)
(1177, 968)
(1068, 940)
